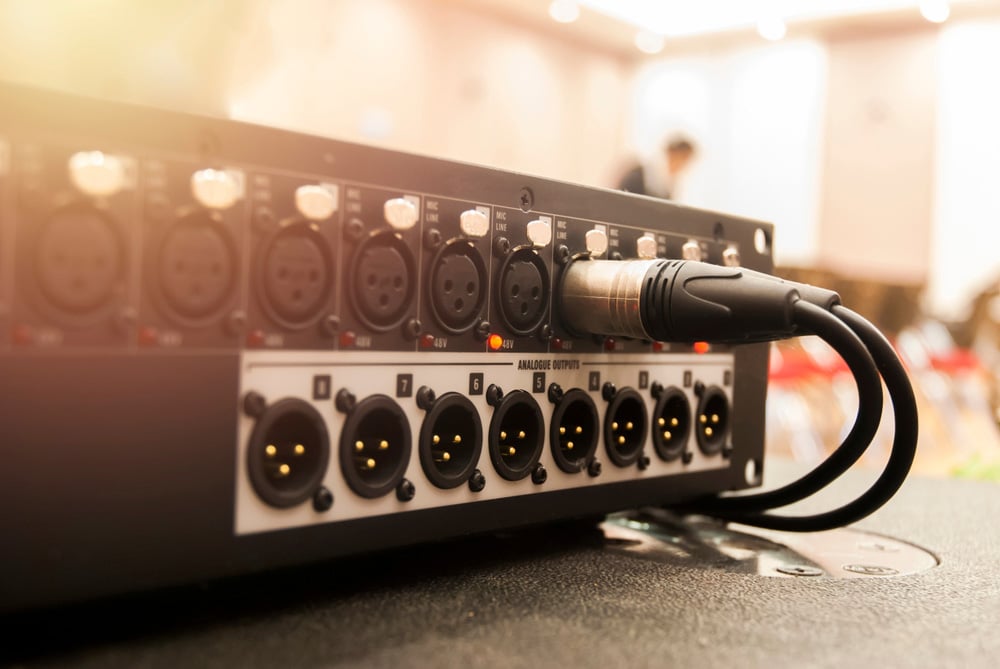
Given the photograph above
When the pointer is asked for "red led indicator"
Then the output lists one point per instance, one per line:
(702, 347)
(609, 344)
(495, 342)
(427, 341)
(148, 336)
(347, 339)
(657, 346)
(255, 338)
(556, 344)
(22, 335)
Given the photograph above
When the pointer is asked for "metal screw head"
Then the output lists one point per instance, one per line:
(799, 570)
(157, 207)
(345, 401)
(545, 333)
(482, 330)
(526, 199)
(616, 255)
(656, 389)
(477, 481)
(555, 393)
(235, 323)
(501, 247)
(493, 394)
(263, 219)
(643, 462)
(608, 391)
(594, 468)
(539, 475)
(699, 388)
(254, 404)
(687, 457)
(329, 325)
(870, 570)
(405, 491)
(727, 451)
(432, 238)
(124, 319)
(323, 499)
(562, 254)
(355, 229)
(425, 398)
(411, 328)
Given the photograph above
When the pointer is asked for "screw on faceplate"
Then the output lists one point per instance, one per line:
(355, 229)
(699, 388)
(254, 404)
(656, 389)
(501, 247)
(594, 468)
(482, 330)
(411, 328)
(799, 570)
(235, 323)
(329, 325)
(545, 333)
(405, 491)
(643, 462)
(263, 219)
(124, 320)
(345, 401)
(727, 451)
(615, 255)
(493, 395)
(687, 457)
(425, 398)
(539, 475)
(477, 481)
(562, 254)
(526, 199)
(157, 207)
(608, 391)
(870, 570)
(432, 238)
(555, 393)
(323, 499)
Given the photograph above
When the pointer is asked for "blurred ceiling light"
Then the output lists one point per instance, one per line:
(649, 42)
(683, 18)
(564, 11)
(771, 28)
(935, 11)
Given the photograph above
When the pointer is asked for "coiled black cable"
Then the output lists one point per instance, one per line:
(904, 444)
(843, 339)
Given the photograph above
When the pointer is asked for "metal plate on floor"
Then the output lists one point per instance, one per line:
(711, 544)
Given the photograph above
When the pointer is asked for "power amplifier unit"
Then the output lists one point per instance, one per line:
(227, 348)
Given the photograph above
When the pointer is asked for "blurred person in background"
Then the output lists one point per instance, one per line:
(659, 177)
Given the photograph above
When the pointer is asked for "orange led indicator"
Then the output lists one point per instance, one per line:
(701, 347)
(495, 342)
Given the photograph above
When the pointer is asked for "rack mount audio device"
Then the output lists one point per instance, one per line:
(226, 348)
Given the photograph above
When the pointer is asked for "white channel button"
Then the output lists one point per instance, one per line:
(215, 189)
(731, 257)
(645, 247)
(691, 250)
(315, 202)
(474, 223)
(597, 241)
(540, 231)
(400, 213)
(96, 173)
